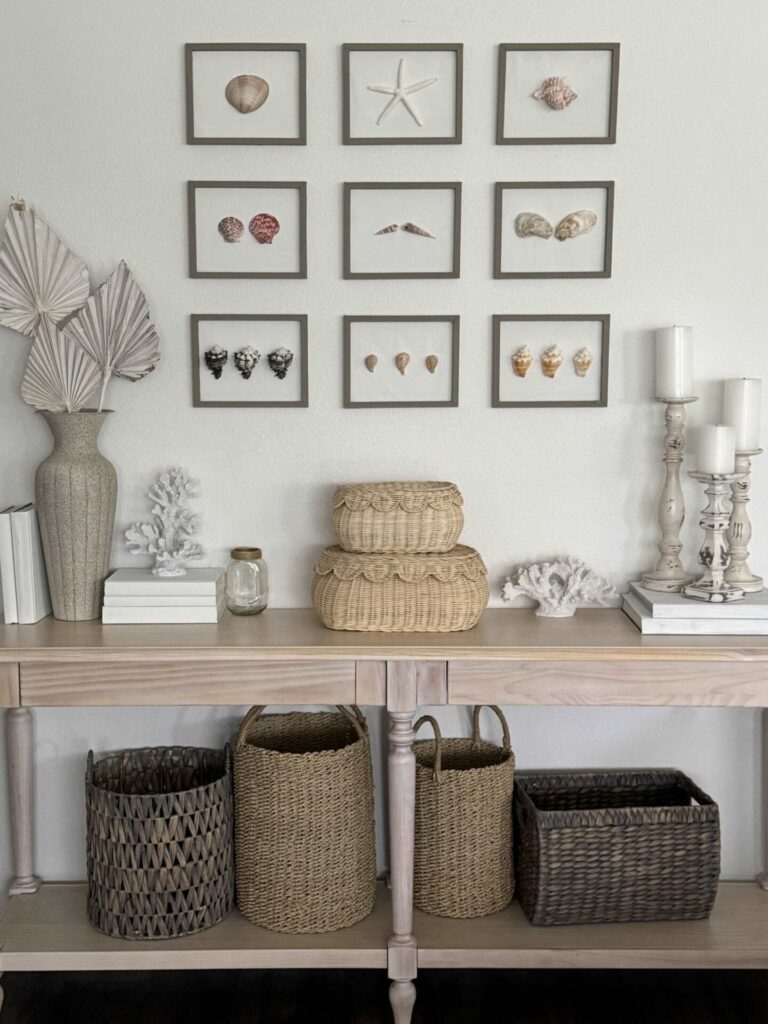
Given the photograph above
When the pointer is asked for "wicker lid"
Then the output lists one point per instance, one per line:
(460, 562)
(411, 496)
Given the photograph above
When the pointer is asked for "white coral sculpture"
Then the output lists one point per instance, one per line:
(170, 535)
(560, 586)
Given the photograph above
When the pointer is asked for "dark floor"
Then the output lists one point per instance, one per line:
(360, 997)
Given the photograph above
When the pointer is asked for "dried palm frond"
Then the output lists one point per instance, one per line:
(59, 376)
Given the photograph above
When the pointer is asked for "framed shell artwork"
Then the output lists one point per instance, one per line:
(247, 228)
(557, 93)
(243, 359)
(246, 94)
(402, 93)
(559, 360)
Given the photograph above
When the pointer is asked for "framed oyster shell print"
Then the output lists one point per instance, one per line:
(402, 229)
(553, 229)
(247, 228)
(550, 360)
(246, 94)
(557, 93)
(401, 361)
(402, 93)
(242, 359)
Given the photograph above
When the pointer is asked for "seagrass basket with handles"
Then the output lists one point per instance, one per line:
(463, 854)
(395, 518)
(615, 846)
(159, 841)
(305, 849)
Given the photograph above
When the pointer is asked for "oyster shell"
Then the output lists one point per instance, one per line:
(532, 224)
(247, 93)
(431, 363)
(264, 227)
(582, 361)
(401, 361)
(370, 362)
(215, 359)
(280, 361)
(551, 361)
(414, 229)
(245, 360)
(388, 230)
(521, 360)
(575, 224)
(555, 92)
(231, 229)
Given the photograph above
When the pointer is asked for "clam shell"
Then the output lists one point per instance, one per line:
(414, 229)
(575, 224)
(532, 224)
(431, 363)
(264, 227)
(401, 361)
(370, 362)
(555, 92)
(247, 93)
(231, 229)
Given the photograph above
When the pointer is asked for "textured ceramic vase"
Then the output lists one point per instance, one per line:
(76, 493)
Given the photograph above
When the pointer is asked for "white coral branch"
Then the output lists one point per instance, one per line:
(560, 586)
(169, 537)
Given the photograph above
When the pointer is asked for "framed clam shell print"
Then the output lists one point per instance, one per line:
(242, 359)
(246, 94)
(553, 229)
(559, 360)
(247, 228)
(402, 93)
(557, 93)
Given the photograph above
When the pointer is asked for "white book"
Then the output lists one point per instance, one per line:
(137, 582)
(158, 615)
(675, 606)
(33, 599)
(163, 600)
(651, 626)
(7, 571)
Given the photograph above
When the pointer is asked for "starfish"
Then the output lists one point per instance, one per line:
(400, 94)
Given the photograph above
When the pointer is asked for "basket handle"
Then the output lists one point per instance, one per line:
(436, 767)
(500, 715)
(355, 716)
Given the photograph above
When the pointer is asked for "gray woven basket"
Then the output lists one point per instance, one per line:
(304, 830)
(615, 846)
(159, 841)
(463, 856)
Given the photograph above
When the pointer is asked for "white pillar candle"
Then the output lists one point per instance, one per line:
(674, 362)
(717, 448)
(741, 409)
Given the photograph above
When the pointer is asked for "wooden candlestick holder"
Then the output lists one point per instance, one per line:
(740, 528)
(714, 556)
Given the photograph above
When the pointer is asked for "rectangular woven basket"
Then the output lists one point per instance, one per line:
(615, 846)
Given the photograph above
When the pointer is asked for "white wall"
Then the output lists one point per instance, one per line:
(92, 133)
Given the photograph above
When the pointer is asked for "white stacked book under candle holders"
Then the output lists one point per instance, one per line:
(138, 596)
(676, 615)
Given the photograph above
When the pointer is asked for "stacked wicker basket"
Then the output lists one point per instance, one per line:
(398, 567)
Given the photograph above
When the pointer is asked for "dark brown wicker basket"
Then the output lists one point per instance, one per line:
(615, 846)
(159, 841)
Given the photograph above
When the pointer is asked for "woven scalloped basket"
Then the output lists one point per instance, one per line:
(391, 518)
(400, 593)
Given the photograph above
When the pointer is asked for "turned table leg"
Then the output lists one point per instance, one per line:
(18, 726)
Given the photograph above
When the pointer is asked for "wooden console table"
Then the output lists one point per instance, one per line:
(285, 657)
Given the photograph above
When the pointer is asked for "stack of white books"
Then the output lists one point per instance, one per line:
(135, 595)
(673, 614)
(23, 579)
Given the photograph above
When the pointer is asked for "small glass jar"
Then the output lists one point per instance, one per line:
(247, 583)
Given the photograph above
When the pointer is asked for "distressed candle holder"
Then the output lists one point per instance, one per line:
(714, 555)
(740, 528)
(669, 576)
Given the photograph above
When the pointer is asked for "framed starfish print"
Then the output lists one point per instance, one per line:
(402, 93)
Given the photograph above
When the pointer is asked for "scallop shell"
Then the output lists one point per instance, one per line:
(387, 230)
(431, 363)
(551, 361)
(245, 360)
(414, 229)
(231, 229)
(370, 362)
(215, 358)
(59, 376)
(582, 361)
(247, 93)
(264, 227)
(521, 360)
(575, 224)
(555, 92)
(401, 361)
(532, 224)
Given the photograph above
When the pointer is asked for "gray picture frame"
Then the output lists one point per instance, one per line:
(453, 319)
(193, 186)
(455, 272)
(451, 140)
(192, 140)
(565, 140)
(499, 188)
(300, 318)
(500, 318)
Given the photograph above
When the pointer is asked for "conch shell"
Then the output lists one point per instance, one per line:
(551, 360)
(280, 361)
(245, 360)
(264, 227)
(555, 92)
(231, 229)
(582, 361)
(431, 363)
(247, 93)
(388, 230)
(527, 224)
(401, 361)
(521, 360)
(370, 362)
(414, 229)
(575, 224)
(215, 358)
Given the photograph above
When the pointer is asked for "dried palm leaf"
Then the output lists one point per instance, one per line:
(39, 276)
(59, 376)
(115, 329)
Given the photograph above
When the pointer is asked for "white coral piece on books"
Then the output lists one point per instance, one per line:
(60, 376)
(169, 537)
(560, 586)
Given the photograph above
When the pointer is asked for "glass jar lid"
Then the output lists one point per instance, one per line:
(246, 554)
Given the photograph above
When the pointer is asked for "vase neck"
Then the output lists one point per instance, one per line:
(77, 432)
